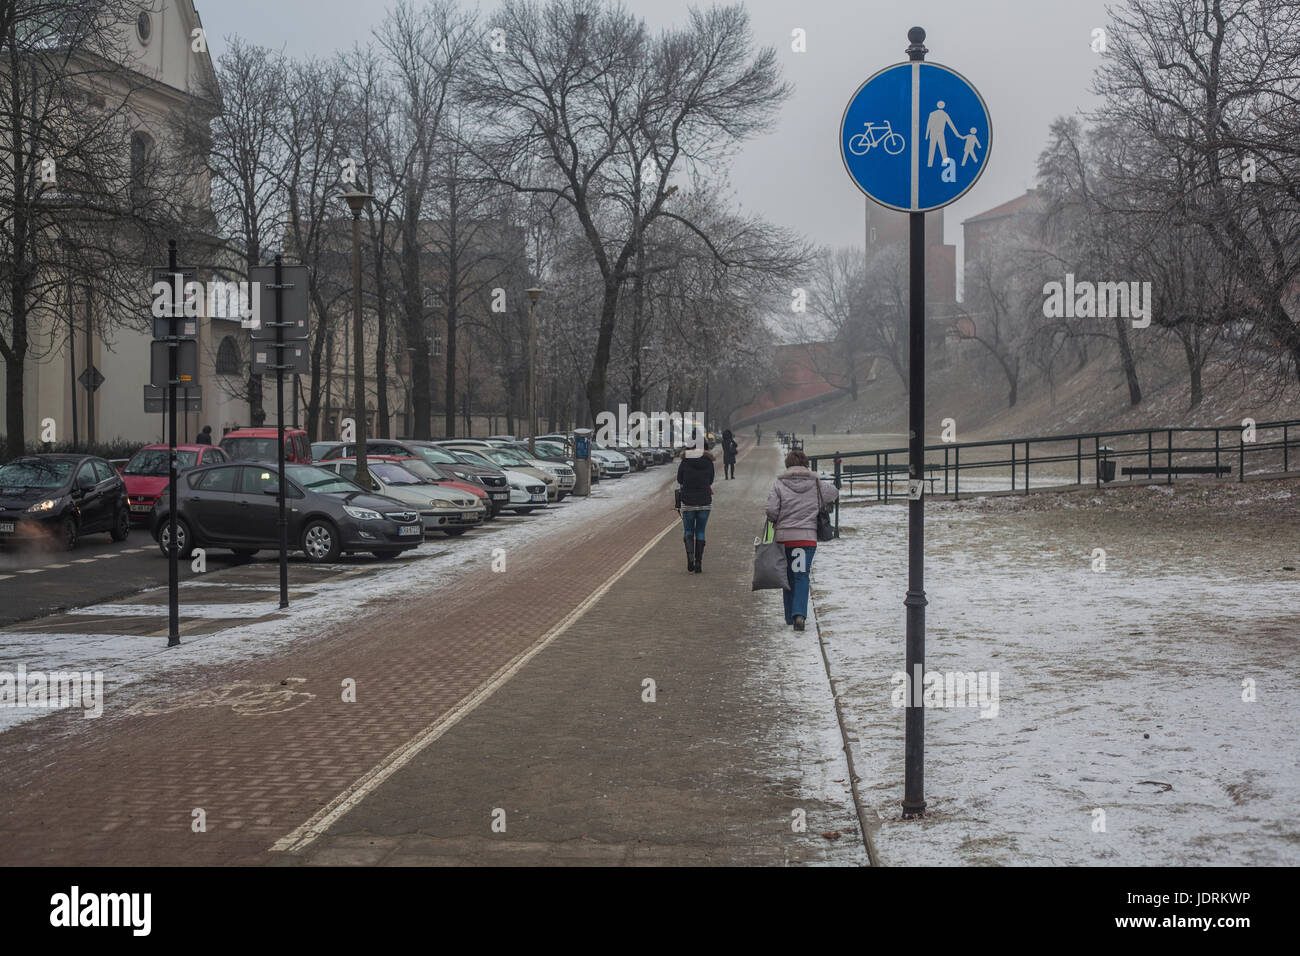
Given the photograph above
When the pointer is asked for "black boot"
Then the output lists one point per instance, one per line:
(690, 552)
(699, 555)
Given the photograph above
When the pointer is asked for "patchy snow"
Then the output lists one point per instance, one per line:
(134, 664)
(1120, 691)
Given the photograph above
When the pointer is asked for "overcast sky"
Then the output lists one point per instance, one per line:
(1031, 60)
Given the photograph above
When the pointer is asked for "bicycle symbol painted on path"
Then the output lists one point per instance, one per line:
(877, 134)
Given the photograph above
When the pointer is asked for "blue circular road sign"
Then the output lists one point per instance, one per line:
(916, 136)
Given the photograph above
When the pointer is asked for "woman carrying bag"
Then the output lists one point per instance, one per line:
(795, 505)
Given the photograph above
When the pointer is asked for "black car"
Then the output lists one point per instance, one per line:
(236, 506)
(57, 499)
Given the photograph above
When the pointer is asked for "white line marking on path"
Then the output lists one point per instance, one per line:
(327, 816)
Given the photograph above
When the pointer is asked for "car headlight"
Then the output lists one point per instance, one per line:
(363, 514)
(473, 479)
(47, 505)
(440, 503)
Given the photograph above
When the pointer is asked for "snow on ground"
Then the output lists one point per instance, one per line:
(135, 664)
(1120, 692)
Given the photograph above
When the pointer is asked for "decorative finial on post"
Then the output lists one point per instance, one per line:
(916, 44)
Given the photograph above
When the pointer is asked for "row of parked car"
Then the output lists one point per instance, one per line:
(229, 494)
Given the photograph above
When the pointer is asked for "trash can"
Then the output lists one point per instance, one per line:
(1105, 465)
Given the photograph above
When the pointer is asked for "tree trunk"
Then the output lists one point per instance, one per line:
(1126, 359)
(15, 360)
(600, 361)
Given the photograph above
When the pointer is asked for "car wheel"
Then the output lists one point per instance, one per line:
(320, 542)
(454, 532)
(385, 555)
(183, 540)
(245, 552)
(67, 539)
(122, 526)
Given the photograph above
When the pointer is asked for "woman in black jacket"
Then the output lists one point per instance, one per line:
(729, 448)
(695, 476)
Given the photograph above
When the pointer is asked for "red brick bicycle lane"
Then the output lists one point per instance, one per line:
(125, 789)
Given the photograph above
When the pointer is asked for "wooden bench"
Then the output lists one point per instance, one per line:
(1148, 471)
(893, 473)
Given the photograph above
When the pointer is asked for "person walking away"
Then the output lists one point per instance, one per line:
(204, 437)
(729, 449)
(792, 506)
(758, 434)
(695, 478)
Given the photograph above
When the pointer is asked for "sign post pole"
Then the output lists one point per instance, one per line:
(279, 417)
(899, 122)
(173, 558)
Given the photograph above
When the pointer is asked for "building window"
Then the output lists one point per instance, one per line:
(228, 358)
(141, 153)
(437, 344)
(144, 27)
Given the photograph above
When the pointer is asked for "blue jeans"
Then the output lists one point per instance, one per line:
(796, 596)
(693, 522)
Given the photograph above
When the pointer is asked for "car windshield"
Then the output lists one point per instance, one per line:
(391, 473)
(470, 458)
(35, 473)
(250, 449)
(321, 447)
(506, 456)
(320, 480)
(154, 462)
(435, 456)
(422, 469)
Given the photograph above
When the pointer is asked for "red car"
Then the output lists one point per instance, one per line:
(146, 474)
(260, 444)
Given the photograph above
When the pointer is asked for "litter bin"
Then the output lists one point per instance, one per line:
(1105, 465)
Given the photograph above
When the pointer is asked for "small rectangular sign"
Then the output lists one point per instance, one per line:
(914, 486)
(187, 362)
(187, 399)
(294, 302)
(296, 357)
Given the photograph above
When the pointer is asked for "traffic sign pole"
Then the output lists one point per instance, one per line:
(173, 559)
(897, 114)
(279, 418)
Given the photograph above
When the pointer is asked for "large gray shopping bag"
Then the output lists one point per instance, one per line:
(769, 562)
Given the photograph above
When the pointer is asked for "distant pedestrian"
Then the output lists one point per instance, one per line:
(758, 434)
(729, 449)
(792, 507)
(205, 436)
(695, 481)
(814, 429)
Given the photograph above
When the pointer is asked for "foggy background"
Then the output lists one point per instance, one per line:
(1030, 59)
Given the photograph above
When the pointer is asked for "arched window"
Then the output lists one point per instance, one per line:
(228, 358)
(141, 155)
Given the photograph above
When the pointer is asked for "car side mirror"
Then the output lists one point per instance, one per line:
(275, 492)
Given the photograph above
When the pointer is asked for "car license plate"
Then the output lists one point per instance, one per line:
(143, 508)
(6, 527)
(541, 497)
(500, 495)
(410, 529)
(468, 515)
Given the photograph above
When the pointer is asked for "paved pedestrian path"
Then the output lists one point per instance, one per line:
(510, 721)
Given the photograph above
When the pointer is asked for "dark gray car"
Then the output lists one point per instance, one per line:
(236, 506)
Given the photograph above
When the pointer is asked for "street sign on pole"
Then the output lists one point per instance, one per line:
(293, 288)
(186, 368)
(155, 399)
(91, 378)
(915, 136)
(295, 357)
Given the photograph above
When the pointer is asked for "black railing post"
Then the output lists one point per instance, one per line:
(1013, 466)
(1150, 454)
(838, 486)
(1284, 448)
(1078, 461)
(1241, 457)
(945, 469)
(1026, 467)
(886, 477)
(956, 473)
(1096, 460)
(1216, 453)
(1169, 458)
